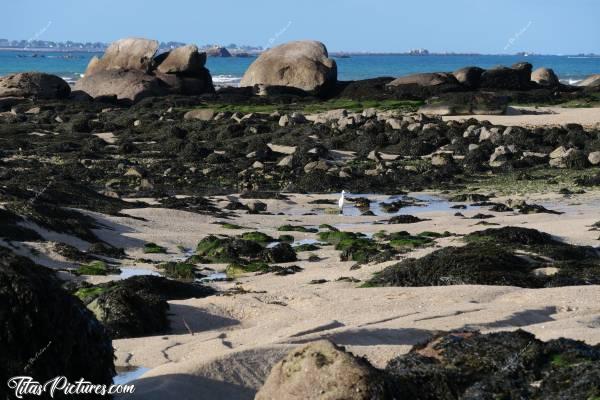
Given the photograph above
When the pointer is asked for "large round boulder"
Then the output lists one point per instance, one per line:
(425, 79)
(131, 85)
(322, 370)
(129, 53)
(182, 60)
(469, 76)
(34, 84)
(302, 64)
(545, 77)
(46, 332)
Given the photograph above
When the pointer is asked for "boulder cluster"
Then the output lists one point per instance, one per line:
(131, 70)
(517, 77)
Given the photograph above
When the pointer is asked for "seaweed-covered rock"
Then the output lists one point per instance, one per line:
(215, 249)
(505, 365)
(405, 219)
(281, 253)
(491, 258)
(127, 314)
(46, 332)
(474, 264)
(138, 306)
(322, 370)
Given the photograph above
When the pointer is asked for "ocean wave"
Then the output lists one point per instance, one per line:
(226, 80)
(570, 81)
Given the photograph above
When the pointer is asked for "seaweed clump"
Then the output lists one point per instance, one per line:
(506, 256)
(504, 365)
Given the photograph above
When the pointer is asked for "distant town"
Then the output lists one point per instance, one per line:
(99, 47)
(215, 50)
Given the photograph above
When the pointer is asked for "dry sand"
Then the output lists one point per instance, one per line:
(237, 337)
(540, 116)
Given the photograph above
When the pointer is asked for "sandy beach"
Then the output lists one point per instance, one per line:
(237, 336)
(291, 222)
(540, 116)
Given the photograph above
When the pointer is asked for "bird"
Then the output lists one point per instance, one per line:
(341, 202)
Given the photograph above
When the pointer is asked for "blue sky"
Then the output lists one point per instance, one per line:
(509, 26)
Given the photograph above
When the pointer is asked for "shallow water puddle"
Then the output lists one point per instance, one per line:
(215, 277)
(129, 272)
(127, 375)
(425, 203)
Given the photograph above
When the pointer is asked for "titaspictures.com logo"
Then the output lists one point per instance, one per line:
(27, 386)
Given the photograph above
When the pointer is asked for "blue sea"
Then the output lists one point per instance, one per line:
(228, 71)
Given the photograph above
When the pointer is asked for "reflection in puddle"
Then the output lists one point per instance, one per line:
(126, 375)
(426, 203)
(417, 203)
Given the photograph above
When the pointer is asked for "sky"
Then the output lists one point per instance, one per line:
(481, 26)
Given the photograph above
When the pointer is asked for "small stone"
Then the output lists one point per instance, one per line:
(284, 121)
(33, 111)
(286, 162)
(441, 159)
(594, 158)
(205, 114)
(133, 171)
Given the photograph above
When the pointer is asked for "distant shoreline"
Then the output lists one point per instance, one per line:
(332, 53)
(48, 50)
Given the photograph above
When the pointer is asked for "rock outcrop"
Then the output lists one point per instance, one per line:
(132, 85)
(425, 79)
(469, 76)
(129, 53)
(34, 84)
(182, 60)
(517, 77)
(46, 332)
(130, 71)
(592, 81)
(302, 65)
(322, 370)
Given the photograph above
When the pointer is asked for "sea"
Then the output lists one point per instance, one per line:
(229, 71)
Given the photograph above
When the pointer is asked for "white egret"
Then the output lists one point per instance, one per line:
(341, 202)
